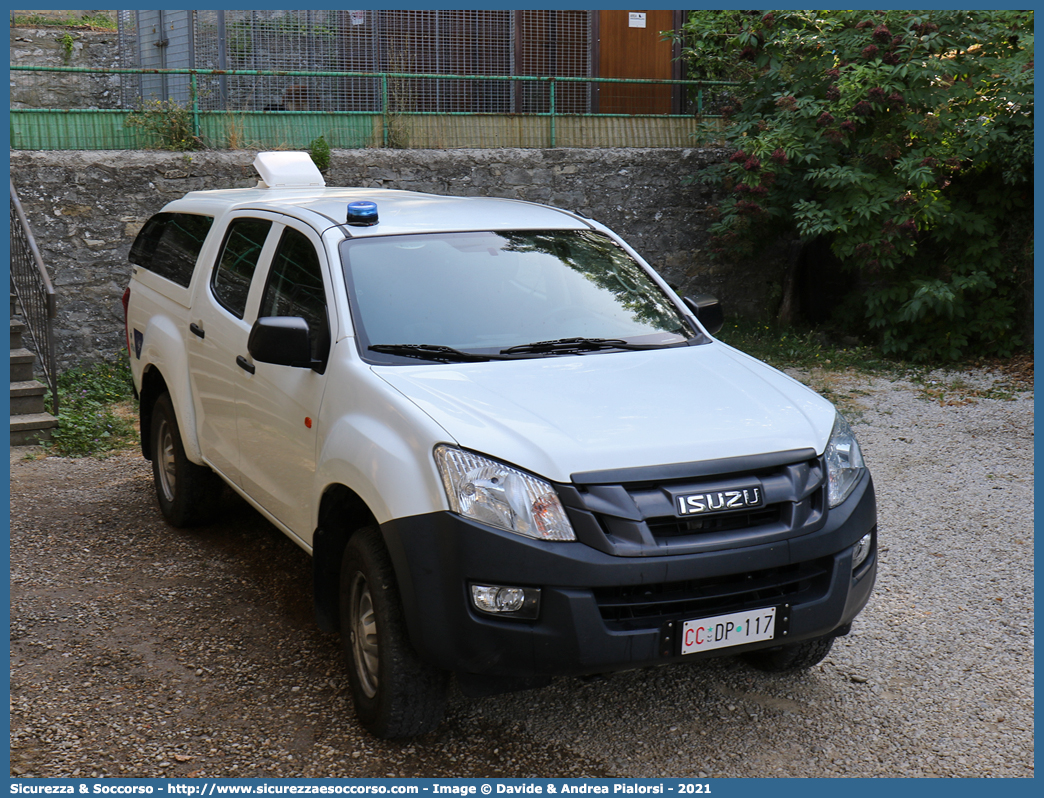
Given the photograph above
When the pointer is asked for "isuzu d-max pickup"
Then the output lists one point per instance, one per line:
(512, 450)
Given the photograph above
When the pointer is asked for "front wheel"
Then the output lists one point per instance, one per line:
(187, 493)
(395, 693)
(792, 657)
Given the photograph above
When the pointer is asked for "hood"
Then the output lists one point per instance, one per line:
(558, 416)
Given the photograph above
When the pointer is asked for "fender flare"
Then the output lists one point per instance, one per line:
(164, 351)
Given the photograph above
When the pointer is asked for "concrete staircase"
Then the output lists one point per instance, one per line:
(30, 422)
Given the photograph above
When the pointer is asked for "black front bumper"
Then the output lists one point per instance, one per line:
(585, 624)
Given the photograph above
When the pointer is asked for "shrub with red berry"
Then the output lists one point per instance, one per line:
(904, 138)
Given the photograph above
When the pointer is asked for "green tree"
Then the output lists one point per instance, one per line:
(905, 138)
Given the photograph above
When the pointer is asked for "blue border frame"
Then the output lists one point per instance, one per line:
(858, 788)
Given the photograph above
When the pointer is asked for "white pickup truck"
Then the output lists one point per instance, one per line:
(511, 449)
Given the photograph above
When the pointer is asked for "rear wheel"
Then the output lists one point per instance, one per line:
(790, 658)
(395, 693)
(187, 493)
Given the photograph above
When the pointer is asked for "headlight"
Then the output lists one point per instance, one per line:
(844, 462)
(496, 494)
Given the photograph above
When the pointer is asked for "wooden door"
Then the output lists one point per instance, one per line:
(630, 45)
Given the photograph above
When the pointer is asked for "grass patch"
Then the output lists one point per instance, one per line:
(791, 347)
(97, 411)
(825, 361)
(93, 21)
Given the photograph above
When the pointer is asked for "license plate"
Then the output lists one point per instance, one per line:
(734, 629)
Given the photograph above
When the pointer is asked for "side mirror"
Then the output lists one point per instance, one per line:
(282, 340)
(707, 310)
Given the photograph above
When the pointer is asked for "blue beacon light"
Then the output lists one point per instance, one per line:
(362, 213)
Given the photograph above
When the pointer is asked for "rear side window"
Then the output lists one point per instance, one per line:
(239, 256)
(169, 245)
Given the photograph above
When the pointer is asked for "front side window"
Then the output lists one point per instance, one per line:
(488, 292)
(239, 256)
(295, 288)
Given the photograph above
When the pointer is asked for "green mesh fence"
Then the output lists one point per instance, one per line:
(43, 129)
(166, 124)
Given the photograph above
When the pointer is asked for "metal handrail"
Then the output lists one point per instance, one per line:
(36, 297)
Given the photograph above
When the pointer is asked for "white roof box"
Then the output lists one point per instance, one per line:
(287, 170)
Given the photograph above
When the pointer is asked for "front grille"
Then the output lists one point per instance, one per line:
(647, 606)
(675, 527)
(646, 512)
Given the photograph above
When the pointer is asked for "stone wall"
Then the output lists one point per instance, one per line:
(64, 47)
(86, 207)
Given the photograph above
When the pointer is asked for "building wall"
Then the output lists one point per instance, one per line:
(86, 207)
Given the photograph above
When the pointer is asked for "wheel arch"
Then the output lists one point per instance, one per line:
(153, 385)
(341, 512)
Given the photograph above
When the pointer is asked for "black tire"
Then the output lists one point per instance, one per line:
(187, 493)
(790, 658)
(395, 693)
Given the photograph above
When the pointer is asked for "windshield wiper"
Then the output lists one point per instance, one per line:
(559, 346)
(565, 346)
(446, 354)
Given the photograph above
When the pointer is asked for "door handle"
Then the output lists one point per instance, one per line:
(245, 364)
(196, 330)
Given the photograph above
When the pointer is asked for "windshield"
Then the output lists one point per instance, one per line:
(484, 293)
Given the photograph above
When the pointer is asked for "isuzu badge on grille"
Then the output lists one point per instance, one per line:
(718, 501)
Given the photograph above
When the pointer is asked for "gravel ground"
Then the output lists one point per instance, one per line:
(140, 650)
